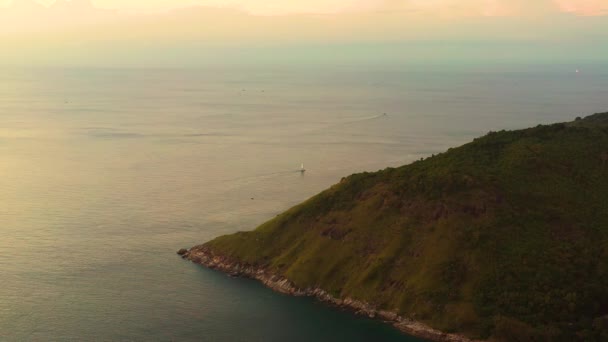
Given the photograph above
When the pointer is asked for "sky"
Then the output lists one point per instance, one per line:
(282, 7)
(197, 32)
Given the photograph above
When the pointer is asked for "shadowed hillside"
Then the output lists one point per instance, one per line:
(504, 237)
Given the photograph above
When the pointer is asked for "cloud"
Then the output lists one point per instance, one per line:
(28, 16)
(584, 7)
(474, 8)
(76, 33)
(440, 8)
(443, 8)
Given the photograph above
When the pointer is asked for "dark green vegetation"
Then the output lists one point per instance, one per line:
(504, 237)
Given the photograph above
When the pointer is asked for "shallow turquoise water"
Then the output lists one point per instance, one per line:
(106, 173)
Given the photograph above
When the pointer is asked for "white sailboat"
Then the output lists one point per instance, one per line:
(302, 169)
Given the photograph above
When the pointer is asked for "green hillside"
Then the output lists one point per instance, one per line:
(504, 237)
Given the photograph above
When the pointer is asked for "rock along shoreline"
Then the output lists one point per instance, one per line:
(204, 256)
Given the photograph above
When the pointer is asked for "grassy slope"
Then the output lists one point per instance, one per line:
(505, 236)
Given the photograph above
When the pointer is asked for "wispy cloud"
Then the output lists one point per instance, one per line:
(27, 16)
(584, 7)
(100, 32)
(445, 8)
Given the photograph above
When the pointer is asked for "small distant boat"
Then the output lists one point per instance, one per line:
(302, 169)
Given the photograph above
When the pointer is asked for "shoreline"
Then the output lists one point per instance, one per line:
(204, 256)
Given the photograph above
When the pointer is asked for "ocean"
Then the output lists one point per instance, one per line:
(106, 173)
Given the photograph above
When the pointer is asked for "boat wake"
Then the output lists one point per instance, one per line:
(265, 175)
(367, 118)
(354, 121)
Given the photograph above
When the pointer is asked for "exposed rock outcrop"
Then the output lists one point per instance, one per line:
(205, 257)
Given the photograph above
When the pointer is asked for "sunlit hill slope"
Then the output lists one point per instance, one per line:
(504, 237)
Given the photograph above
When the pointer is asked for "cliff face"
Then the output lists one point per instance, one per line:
(505, 237)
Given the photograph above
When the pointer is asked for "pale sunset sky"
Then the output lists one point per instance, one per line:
(193, 32)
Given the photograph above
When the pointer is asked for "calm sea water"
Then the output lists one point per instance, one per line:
(104, 174)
